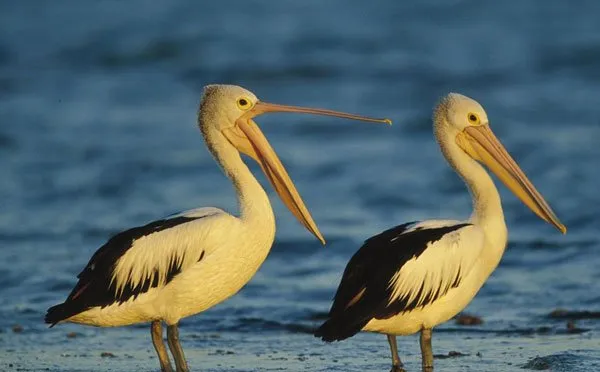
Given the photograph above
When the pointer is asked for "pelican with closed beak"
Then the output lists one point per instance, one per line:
(417, 275)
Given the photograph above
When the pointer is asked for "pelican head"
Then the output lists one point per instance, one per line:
(468, 123)
(228, 111)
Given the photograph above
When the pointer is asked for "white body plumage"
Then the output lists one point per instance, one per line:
(218, 255)
(461, 253)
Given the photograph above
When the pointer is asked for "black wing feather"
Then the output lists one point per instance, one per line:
(369, 271)
(95, 286)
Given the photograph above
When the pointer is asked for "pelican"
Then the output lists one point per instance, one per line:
(417, 275)
(186, 263)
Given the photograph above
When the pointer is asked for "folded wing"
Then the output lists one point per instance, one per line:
(134, 261)
(402, 269)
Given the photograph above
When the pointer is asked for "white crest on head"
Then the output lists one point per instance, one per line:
(458, 112)
(224, 104)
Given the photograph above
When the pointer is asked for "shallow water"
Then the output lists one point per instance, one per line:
(97, 133)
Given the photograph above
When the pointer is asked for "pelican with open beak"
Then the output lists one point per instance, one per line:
(186, 263)
(417, 275)
(247, 138)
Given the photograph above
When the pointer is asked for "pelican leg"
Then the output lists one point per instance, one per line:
(426, 352)
(159, 346)
(176, 350)
(396, 362)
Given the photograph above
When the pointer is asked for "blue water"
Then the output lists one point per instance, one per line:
(98, 102)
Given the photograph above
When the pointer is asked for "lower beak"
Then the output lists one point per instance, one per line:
(248, 139)
(482, 145)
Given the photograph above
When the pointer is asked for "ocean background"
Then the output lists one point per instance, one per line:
(98, 133)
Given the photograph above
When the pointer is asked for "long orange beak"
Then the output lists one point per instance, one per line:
(482, 145)
(263, 107)
(248, 139)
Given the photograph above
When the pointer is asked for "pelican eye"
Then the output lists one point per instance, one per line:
(473, 118)
(243, 103)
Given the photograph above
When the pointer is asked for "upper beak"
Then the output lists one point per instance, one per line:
(481, 144)
(248, 139)
(263, 107)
